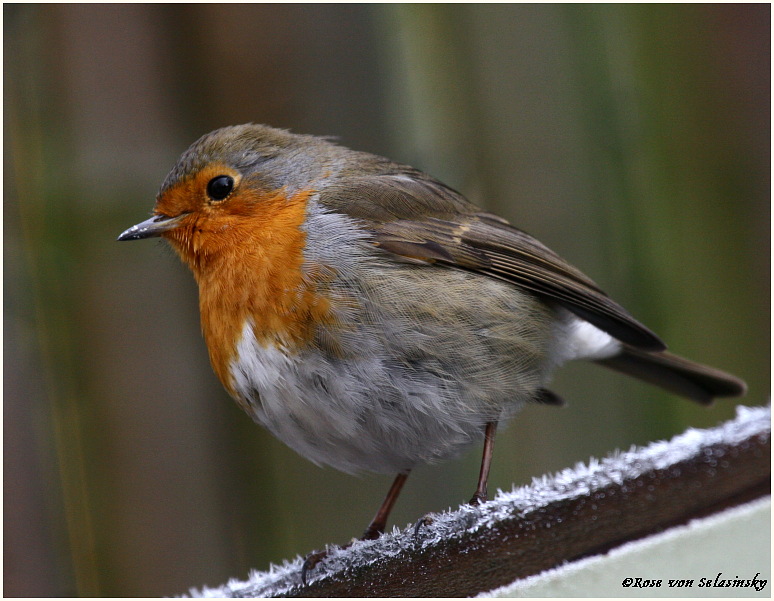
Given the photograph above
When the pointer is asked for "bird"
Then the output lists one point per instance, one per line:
(371, 317)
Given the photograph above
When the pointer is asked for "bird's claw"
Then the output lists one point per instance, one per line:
(478, 499)
(313, 559)
(423, 521)
(310, 562)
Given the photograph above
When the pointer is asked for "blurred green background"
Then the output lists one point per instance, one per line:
(632, 139)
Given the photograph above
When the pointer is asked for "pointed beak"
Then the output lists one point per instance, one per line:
(150, 228)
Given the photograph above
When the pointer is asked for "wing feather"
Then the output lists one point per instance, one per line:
(413, 216)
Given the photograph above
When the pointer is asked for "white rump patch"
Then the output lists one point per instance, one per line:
(578, 339)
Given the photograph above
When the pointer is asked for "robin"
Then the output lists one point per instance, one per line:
(372, 318)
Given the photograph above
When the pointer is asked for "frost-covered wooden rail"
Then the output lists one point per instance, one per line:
(577, 513)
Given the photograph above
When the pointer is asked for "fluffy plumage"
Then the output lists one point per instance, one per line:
(369, 315)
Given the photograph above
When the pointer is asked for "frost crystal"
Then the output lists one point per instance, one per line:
(581, 481)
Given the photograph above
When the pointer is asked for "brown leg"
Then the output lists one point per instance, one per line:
(377, 525)
(486, 462)
(375, 528)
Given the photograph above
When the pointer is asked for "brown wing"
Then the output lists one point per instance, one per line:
(414, 216)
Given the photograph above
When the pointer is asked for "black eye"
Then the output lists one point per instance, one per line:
(220, 187)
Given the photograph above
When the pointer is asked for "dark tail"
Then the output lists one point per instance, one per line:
(675, 374)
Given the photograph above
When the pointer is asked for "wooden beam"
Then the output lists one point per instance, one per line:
(574, 514)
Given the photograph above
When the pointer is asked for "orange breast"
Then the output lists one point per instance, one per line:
(248, 264)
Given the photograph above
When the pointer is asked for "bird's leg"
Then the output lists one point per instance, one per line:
(486, 462)
(377, 525)
(375, 528)
(480, 495)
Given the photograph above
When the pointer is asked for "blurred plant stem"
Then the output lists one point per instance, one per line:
(634, 140)
(430, 88)
(643, 78)
(50, 257)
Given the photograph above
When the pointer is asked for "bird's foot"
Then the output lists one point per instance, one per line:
(422, 522)
(312, 560)
(372, 533)
(478, 499)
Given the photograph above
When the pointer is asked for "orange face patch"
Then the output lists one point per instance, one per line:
(190, 195)
(246, 253)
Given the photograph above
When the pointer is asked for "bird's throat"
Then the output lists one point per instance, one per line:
(253, 271)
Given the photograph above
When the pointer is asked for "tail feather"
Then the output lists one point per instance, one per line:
(681, 376)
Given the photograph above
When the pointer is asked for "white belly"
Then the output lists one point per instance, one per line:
(394, 394)
(414, 369)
